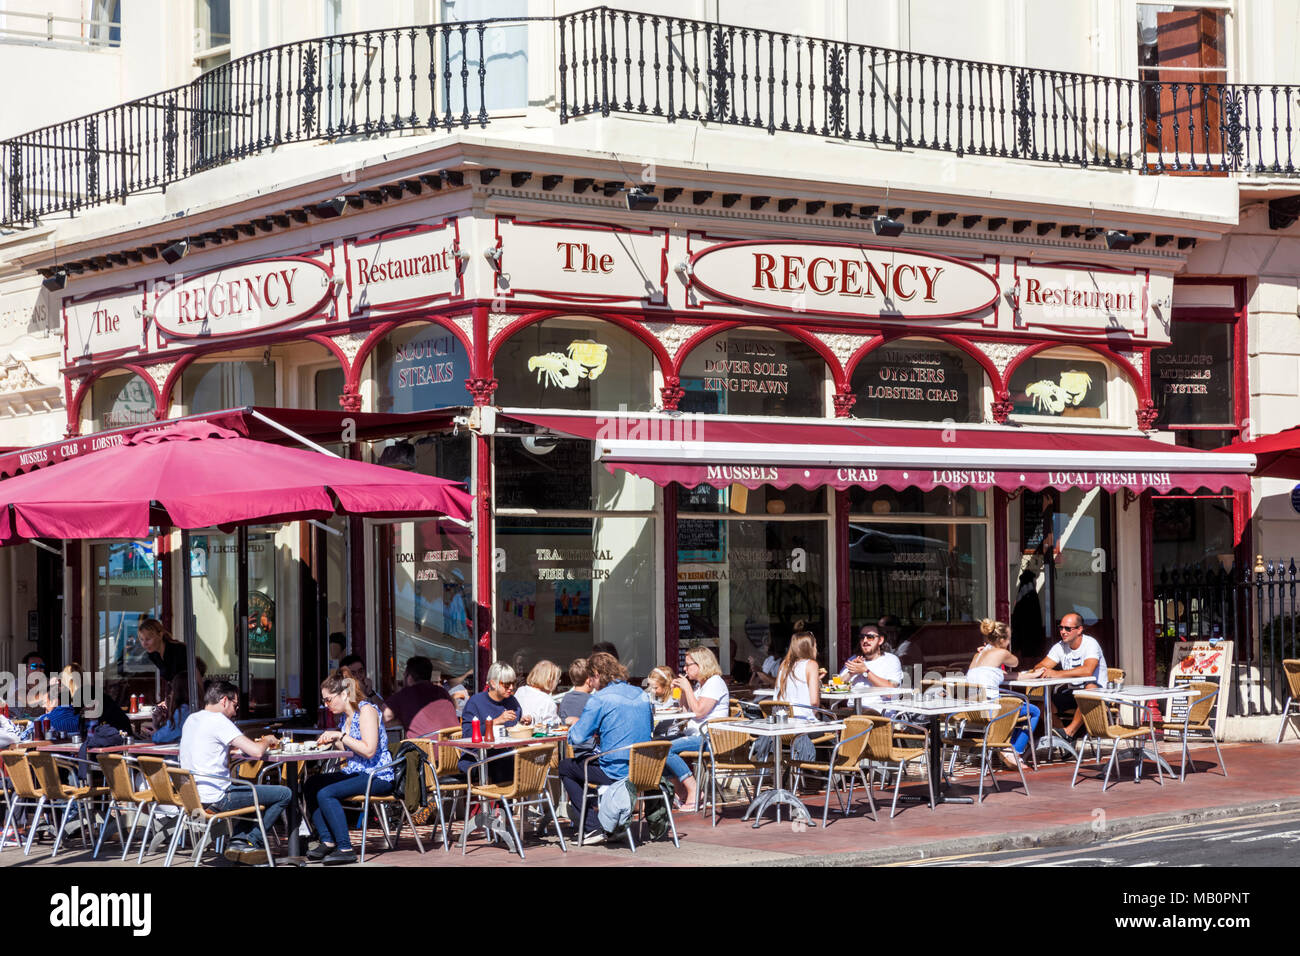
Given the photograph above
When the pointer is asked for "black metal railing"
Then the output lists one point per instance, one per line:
(1255, 608)
(453, 75)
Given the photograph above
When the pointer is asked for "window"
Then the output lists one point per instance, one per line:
(420, 367)
(1182, 53)
(919, 380)
(754, 372)
(500, 51)
(106, 23)
(575, 363)
(211, 33)
(1193, 380)
(128, 585)
(1056, 386)
(119, 399)
(212, 386)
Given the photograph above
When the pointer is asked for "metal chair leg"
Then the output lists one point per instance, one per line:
(148, 828)
(555, 820)
(34, 824)
(509, 813)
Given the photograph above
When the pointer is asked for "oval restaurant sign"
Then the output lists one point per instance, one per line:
(843, 279)
(242, 297)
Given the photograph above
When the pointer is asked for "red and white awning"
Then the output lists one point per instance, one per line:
(695, 450)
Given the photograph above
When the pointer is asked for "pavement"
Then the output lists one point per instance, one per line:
(1262, 777)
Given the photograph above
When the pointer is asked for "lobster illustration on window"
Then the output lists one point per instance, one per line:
(1049, 396)
(584, 359)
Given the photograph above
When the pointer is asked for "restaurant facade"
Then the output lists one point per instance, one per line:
(782, 388)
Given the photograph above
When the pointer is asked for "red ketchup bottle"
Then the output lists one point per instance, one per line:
(476, 732)
(135, 704)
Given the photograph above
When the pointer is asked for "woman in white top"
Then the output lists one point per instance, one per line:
(798, 680)
(535, 696)
(711, 699)
(986, 668)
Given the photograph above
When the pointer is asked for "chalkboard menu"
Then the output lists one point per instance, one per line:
(697, 617)
(543, 472)
(1032, 524)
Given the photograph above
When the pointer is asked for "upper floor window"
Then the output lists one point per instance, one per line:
(211, 33)
(1182, 57)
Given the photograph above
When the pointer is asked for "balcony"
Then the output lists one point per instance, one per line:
(455, 75)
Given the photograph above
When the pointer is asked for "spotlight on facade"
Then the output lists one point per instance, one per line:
(56, 280)
(493, 255)
(331, 208)
(1118, 240)
(683, 269)
(638, 199)
(887, 227)
(175, 252)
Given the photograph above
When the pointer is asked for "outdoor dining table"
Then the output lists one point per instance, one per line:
(1049, 738)
(1140, 696)
(484, 819)
(291, 763)
(778, 795)
(863, 692)
(934, 708)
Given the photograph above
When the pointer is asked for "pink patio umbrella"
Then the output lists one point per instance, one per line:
(197, 475)
(1276, 455)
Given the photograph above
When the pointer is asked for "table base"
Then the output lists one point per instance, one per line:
(778, 798)
(1053, 741)
(493, 824)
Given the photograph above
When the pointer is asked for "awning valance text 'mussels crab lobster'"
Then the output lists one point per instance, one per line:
(703, 450)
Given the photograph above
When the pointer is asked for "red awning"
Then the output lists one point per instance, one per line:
(695, 449)
(1278, 455)
(323, 427)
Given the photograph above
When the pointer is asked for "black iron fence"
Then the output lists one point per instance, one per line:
(1256, 608)
(453, 75)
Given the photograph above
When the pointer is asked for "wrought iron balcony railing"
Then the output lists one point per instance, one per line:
(455, 75)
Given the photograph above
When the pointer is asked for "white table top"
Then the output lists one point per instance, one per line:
(945, 705)
(1140, 693)
(1041, 681)
(680, 714)
(787, 728)
(868, 690)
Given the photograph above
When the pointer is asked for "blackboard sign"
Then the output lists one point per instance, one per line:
(697, 617)
(1033, 525)
(919, 381)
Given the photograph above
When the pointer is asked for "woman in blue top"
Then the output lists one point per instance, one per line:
(361, 732)
(175, 710)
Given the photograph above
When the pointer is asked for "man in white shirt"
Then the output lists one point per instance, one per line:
(206, 739)
(1079, 656)
(875, 666)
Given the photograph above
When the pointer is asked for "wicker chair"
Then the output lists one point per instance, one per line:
(55, 794)
(996, 736)
(1292, 709)
(645, 770)
(845, 761)
(895, 742)
(528, 788)
(1196, 721)
(25, 794)
(123, 794)
(195, 817)
(726, 751)
(1098, 728)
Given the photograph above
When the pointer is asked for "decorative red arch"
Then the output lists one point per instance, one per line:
(959, 342)
(74, 406)
(1146, 409)
(635, 328)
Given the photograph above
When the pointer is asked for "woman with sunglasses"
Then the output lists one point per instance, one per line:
(361, 733)
(496, 705)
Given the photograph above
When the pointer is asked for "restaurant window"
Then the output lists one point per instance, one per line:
(121, 399)
(574, 363)
(127, 589)
(432, 597)
(921, 558)
(1193, 377)
(212, 386)
(918, 380)
(419, 367)
(744, 581)
(754, 372)
(1059, 386)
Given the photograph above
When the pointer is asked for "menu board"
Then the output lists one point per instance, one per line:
(917, 382)
(1193, 378)
(697, 617)
(1201, 662)
(1032, 523)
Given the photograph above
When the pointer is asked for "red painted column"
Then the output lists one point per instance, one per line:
(1001, 591)
(843, 604)
(672, 633)
(1146, 516)
(483, 387)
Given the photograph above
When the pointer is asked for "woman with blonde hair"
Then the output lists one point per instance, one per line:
(535, 696)
(164, 651)
(987, 668)
(659, 686)
(361, 734)
(705, 696)
(798, 682)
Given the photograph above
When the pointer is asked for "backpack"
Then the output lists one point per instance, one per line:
(615, 809)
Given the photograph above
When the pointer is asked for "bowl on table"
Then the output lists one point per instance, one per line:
(519, 731)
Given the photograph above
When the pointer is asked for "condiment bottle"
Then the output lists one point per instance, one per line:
(476, 732)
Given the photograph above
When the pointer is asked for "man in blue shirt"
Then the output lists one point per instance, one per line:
(619, 715)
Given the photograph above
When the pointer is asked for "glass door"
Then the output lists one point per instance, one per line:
(127, 589)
